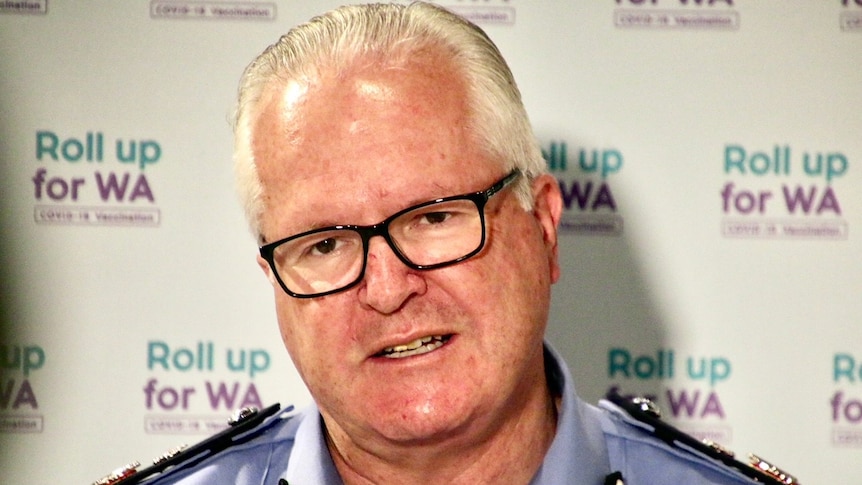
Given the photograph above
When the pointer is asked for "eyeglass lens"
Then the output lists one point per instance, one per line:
(429, 235)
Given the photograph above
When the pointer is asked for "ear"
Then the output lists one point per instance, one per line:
(547, 207)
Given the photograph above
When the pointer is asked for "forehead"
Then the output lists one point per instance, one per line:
(365, 143)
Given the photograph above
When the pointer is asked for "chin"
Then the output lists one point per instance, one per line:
(429, 420)
(422, 429)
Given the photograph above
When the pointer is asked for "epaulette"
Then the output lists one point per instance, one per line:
(647, 412)
(240, 425)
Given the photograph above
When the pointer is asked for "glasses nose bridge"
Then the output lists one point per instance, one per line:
(380, 229)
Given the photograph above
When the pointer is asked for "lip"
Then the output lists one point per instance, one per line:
(412, 347)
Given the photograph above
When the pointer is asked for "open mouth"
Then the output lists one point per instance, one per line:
(417, 347)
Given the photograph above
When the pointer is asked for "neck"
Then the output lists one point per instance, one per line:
(510, 453)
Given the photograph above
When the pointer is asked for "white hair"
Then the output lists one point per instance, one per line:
(391, 33)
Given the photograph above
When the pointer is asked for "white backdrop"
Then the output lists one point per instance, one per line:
(708, 150)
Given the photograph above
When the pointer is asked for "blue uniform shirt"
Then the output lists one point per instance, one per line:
(591, 442)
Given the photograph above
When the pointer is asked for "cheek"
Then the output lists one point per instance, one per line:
(312, 332)
(522, 273)
(286, 326)
(520, 255)
(297, 332)
(506, 287)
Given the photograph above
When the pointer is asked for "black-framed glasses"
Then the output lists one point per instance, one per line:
(426, 236)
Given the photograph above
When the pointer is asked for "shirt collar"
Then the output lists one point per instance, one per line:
(310, 462)
(578, 453)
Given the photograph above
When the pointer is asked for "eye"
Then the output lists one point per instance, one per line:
(435, 217)
(320, 246)
(325, 246)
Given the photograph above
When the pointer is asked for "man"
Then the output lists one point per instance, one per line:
(407, 224)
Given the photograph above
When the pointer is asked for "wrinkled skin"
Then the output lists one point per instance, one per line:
(354, 149)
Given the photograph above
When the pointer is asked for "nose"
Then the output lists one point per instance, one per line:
(388, 282)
